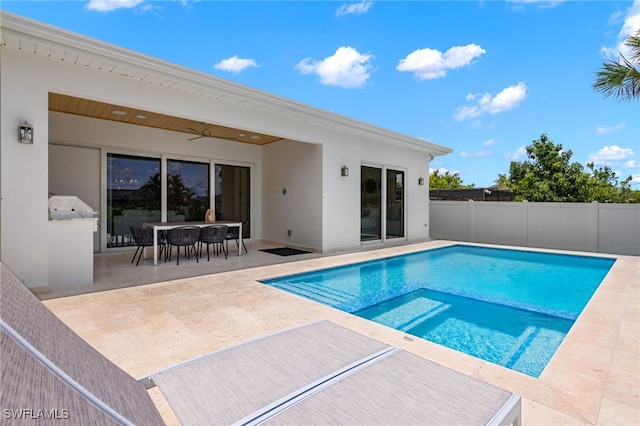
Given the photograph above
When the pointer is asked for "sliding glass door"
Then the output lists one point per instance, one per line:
(232, 184)
(395, 204)
(370, 203)
(133, 195)
(378, 219)
(187, 191)
(137, 187)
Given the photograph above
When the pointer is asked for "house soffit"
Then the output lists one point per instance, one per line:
(112, 112)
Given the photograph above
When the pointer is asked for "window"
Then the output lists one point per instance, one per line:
(187, 191)
(133, 195)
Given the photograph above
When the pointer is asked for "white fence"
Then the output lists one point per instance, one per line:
(592, 227)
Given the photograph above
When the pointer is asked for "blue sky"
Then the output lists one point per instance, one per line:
(485, 78)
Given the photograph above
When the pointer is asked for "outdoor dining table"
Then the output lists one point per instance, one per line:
(164, 226)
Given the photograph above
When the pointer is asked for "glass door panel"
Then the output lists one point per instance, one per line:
(232, 200)
(187, 191)
(370, 202)
(395, 204)
(133, 195)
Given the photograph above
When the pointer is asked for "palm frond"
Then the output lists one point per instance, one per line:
(633, 42)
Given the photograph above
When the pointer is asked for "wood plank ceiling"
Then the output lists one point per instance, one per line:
(105, 111)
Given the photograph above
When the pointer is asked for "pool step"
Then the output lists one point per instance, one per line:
(316, 292)
(406, 315)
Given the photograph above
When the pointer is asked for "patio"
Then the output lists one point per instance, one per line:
(145, 318)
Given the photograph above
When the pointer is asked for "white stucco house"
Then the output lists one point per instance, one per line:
(137, 138)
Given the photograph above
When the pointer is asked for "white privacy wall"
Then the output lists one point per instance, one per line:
(592, 227)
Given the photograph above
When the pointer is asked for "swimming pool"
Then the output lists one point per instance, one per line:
(509, 307)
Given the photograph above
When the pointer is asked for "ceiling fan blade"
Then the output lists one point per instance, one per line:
(197, 137)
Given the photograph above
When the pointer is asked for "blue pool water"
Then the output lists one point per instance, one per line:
(509, 307)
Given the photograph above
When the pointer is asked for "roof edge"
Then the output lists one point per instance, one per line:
(52, 35)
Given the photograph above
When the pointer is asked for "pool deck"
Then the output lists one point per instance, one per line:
(148, 318)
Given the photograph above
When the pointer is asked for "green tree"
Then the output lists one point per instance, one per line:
(604, 187)
(621, 79)
(446, 181)
(549, 175)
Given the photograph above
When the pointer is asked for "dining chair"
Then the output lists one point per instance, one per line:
(143, 237)
(183, 236)
(216, 235)
(234, 234)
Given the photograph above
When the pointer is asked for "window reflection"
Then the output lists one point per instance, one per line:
(187, 191)
(133, 195)
(370, 202)
(395, 204)
(232, 185)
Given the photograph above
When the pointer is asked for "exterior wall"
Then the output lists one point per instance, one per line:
(341, 195)
(23, 168)
(592, 227)
(292, 188)
(81, 180)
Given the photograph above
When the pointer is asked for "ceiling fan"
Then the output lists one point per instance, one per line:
(204, 133)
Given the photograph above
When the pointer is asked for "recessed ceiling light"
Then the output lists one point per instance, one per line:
(241, 135)
(255, 137)
(141, 117)
(118, 112)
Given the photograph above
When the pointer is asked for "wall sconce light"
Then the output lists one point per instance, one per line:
(420, 181)
(344, 171)
(25, 133)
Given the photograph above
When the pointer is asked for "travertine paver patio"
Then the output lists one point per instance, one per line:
(594, 378)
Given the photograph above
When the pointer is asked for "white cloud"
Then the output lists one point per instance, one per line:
(631, 21)
(428, 64)
(347, 68)
(475, 154)
(521, 152)
(235, 64)
(506, 100)
(631, 163)
(540, 3)
(441, 171)
(109, 5)
(354, 8)
(602, 130)
(609, 155)
(489, 142)
(631, 25)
